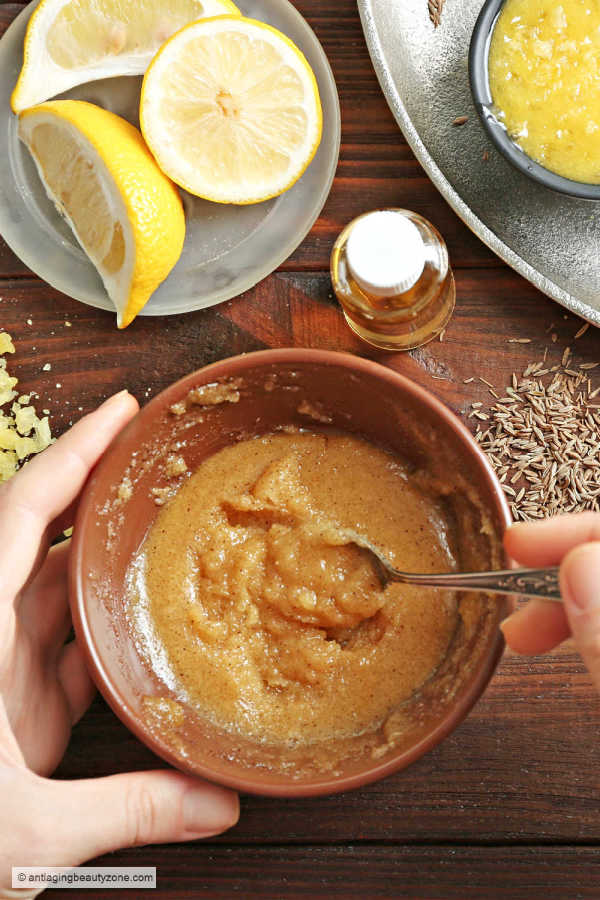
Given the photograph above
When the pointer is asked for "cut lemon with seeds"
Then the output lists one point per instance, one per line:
(70, 42)
(230, 109)
(126, 214)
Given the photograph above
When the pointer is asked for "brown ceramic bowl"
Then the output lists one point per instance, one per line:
(359, 396)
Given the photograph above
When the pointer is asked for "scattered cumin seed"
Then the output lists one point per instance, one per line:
(519, 340)
(435, 11)
(460, 120)
(485, 156)
(582, 331)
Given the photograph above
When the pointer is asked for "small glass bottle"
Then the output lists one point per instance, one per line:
(390, 272)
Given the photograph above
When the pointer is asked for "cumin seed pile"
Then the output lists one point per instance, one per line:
(543, 439)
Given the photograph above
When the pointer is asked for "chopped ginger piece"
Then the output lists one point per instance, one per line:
(6, 344)
(42, 434)
(25, 446)
(8, 439)
(6, 387)
(8, 464)
(25, 419)
(22, 433)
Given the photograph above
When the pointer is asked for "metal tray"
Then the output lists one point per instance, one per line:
(552, 240)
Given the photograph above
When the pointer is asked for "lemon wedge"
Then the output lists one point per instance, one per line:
(69, 42)
(123, 210)
(230, 108)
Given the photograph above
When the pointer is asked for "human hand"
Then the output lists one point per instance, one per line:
(573, 541)
(45, 687)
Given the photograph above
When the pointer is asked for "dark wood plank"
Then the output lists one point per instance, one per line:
(518, 781)
(91, 358)
(359, 872)
(523, 767)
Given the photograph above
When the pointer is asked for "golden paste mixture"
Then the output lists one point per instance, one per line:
(256, 607)
(544, 71)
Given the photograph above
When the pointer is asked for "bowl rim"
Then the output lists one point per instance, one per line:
(482, 98)
(230, 367)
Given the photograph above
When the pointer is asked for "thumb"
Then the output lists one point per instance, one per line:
(90, 817)
(580, 586)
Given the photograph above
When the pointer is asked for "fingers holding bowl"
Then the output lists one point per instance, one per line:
(48, 485)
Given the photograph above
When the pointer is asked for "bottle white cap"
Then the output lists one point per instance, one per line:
(385, 253)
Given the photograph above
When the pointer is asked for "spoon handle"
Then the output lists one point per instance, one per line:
(542, 583)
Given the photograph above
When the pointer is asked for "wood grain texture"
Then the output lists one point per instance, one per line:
(362, 872)
(507, 806)
(523, 767)
(90, 358)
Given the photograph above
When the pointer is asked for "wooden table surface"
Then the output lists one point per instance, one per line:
(508, 806)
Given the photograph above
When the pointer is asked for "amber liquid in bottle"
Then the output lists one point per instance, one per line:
(399, 318)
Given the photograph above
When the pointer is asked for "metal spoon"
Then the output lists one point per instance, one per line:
(542, 583)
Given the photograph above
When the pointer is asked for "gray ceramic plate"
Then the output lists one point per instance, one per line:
(228, 249)
(552, 240)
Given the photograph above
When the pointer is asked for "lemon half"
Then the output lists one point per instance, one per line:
(230, 108)
(70, 42)
(126, 214)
